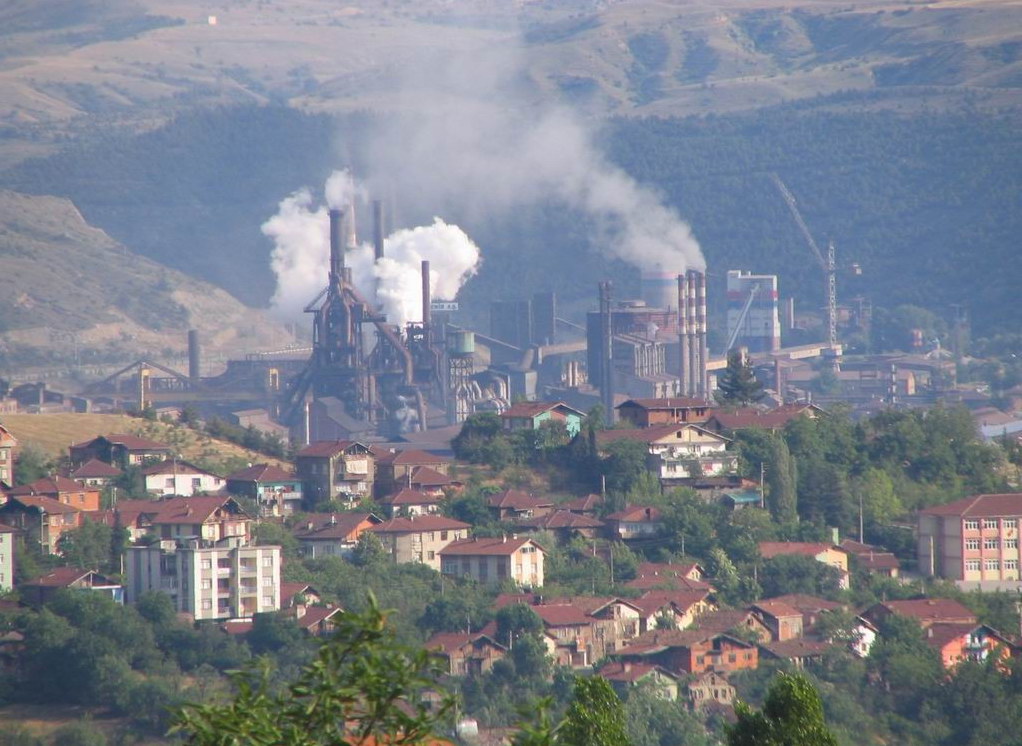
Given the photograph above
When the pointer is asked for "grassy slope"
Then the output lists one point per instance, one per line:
(53, 433)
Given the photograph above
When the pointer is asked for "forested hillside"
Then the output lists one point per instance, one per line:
(925, 203)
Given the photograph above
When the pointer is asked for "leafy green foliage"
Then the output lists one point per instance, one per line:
(791, 714)
(595, 716)
(737, 385)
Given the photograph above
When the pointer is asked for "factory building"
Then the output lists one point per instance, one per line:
(753, 317)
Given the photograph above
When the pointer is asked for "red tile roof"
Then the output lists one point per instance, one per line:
(587, 504)
(776, 608)
(795, 648)
(668, 569)
(652, 601)
(288, 591)
(410, 497)
(448, 642)
(806, 603)
(636, 514)
(645, 434)
(562, 615)
(518, 500)
(62, 577)
(560, 519)
(172, 466)
(667, 582)
(410, 457)
(327, 448)
(262, 473)
(188, 510)
(316, 614)
(535, 408)
(427, 476)
(50, 486)
(45, 504)
(681, 402)
(418, 523)
(490, 546)
(931, 610)
(129, 441)
(333, 526)
(743, 419)
(630, 672)
(981, 506)
(95, 469)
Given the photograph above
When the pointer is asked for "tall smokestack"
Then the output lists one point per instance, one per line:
(193, 354)
(426, 320)
(336, 248)
(690, 331)
(683, 360)
(378, 229)
(606, 353)
(350, 225)
(703, 373)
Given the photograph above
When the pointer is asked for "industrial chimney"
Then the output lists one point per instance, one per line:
(426, 299)
(336, 248)
(193, 354)
(693, 338)
(378, 229)
(683, 361)
(704, 379)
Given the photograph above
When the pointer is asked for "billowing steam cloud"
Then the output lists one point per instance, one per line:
(300, 232)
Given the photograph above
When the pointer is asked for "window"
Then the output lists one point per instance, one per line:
(267, 600)
(700, 660)
(972, 543)
(443, 536)
(971, 525)
(1011, 564)
(431, 555)
(168, 483)
(207, 564)
(196, 483)
(207, 604)
(991, 564)
(990, 543)
(267, 561)
(207, 584)
(989, 523)
(267, 581)
(732, 658)
(1011, 543)
(1010, 523)
(972, 565)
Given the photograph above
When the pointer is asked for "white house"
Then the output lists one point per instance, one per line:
(175, 477)
(679, 452)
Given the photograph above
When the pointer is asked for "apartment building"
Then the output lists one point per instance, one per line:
(336, 469)
(419, 538)
(226, 579)
(972, 540)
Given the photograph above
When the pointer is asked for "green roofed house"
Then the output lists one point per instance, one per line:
(530, 415)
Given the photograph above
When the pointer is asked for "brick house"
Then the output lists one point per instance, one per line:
(672, 411)
(396, 469)
(41, 519)
(419, 538)
(956, 643)
(691, 651)
(975, 539)
(513, 505)
(119, 449)
(678, 609)
(336, 469)
(135, 516)
(61, 489)
(466, 653)
(333, 534)
(495, 560)
(784, 622)
(873, 559)
(277, 492)
(811, 608)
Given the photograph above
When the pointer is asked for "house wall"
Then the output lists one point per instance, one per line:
(524, 566)
(6, 560)
(182, 484)
(420, 546)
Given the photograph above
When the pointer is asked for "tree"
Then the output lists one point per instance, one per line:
(791, 573)
(514, 620)
(737, 385)
(792, 715)
(88, 546)
(625, 465)
(781, 478)
(32, 464)
(595, 716)
(363, 687)
(369, 551)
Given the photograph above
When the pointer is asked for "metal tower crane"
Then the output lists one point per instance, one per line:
(828, 264)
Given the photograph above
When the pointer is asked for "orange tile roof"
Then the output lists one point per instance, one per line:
(94, 468)
(490, 546)
(418, 523)
(262, 473)
(44, 504)
(769, 549)
(1007, 504)
(50, 486)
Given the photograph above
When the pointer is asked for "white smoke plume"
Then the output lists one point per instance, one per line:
(301, 256)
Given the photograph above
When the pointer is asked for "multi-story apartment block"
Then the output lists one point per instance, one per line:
(336, 469)
(419, 538)
(7, 445)
(975, 539)
(495, 560)
(226, 579)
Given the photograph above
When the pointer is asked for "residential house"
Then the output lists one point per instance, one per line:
(336, 470)
(564, 524)
(495, 560)
(810, 607)
(740, 622)
(958, 642)
(41, 519)
(277, 492)
(7, 535)
(783, 621)
(429, 480)
(573, 632)
(466, 653)
(691, 651)
(678, 454)
(972, 540)
(134, 516)
(119, 449)
(873, 559)
(531, 415)
(176, 477)
(40, 590)
(710, 687)
(61, 489)
(589, 505)
(686, 576)
(828, 554)
(95, 473)
(865, 634)
(224, 578)
(926, 611)
(419, 538)
(7, 445)
(625, 675)
(410, 502)
(332, 534)
(396, 469)
(514, 505)
(634, 522)
(317, 621)
(672, 411)
(295, 595)
(799, 652)
(672, 609)
(211, 518)
(751, 418)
